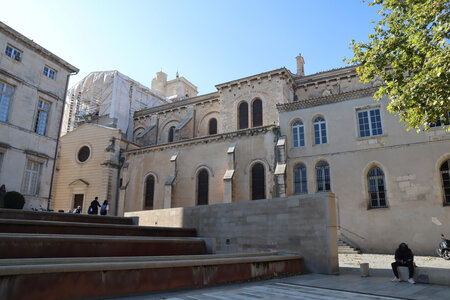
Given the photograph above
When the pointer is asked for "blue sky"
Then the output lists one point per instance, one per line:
(208, 42)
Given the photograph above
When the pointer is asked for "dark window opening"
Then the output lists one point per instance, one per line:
(202, 187)
(258, 182)
(445, 175)
(149, 192)
(377, 191)
(243, 115)
(257, 117)
(83, 153)
(212, 126)
(171, 134)
(323, 177)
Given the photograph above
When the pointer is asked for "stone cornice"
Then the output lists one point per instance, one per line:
(200, 140)
(37, 48)
(190, 84)
(177, 105)
(302, 104)
(257, 77)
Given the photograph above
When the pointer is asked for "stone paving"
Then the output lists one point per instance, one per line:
(325, 287)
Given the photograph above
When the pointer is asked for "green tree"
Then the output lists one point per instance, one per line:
(409, 51)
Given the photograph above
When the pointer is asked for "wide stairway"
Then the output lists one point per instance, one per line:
(62, 256)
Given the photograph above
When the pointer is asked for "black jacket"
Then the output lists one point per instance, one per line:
(403, 253)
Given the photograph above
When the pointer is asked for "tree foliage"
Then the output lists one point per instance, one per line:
(409, 51)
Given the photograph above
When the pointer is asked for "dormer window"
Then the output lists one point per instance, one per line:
(49, 72)
(13, 53)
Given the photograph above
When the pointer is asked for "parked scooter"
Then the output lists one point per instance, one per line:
(444, 248)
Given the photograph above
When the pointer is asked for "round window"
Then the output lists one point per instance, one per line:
(83, 153)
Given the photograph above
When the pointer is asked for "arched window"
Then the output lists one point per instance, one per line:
(298, 134)
(257, 113)
(212, 126)
(300, 182)
(320, 131)
(149, 192)
(202, 187)
(258, 182)
(171, 134)
(377, 191)
(323, 177)
(243, 115)
(445, 175)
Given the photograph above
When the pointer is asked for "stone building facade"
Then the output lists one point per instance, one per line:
(87, 167)
(279, 134)
(33, 82)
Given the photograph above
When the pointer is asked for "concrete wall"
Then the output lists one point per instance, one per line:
(298, 224)
(410, 162)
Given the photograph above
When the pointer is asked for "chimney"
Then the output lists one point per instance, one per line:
(300, 65)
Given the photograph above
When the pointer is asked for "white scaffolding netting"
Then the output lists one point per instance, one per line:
(111, 94)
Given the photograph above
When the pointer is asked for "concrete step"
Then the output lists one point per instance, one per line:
(21, 245)
(345, 248)
(63, 217)
(113, 278)
(59, 227)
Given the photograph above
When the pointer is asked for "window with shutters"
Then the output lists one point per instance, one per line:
(30, 183)
(6, 92)
(43, 110)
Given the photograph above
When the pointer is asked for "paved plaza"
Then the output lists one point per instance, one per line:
(348, 285)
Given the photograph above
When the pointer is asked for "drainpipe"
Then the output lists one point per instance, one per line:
(57, 139)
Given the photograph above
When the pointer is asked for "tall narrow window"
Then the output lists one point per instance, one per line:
(323, 177)
(5, 98)
(202, 187)
(258, 182)
(30, 183)
(369, 122)
(377, 192)
(300, 182)
(41, 118)
(298, 134)
(212, 126)
(243, 115)
(171, 134)
(1, 160)
(257, 113)
(320, 131)
(149, 192)
(445, 174)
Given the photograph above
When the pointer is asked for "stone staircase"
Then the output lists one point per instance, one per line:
(344, 248)
(63, 256)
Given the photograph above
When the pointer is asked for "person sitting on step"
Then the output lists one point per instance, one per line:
(403, 258)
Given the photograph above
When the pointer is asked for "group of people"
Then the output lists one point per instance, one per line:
(93, 208)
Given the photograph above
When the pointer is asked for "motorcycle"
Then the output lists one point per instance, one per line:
(444, 248)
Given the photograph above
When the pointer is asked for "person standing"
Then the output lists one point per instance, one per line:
(104, 208)
(93, 209)
(403, 258)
